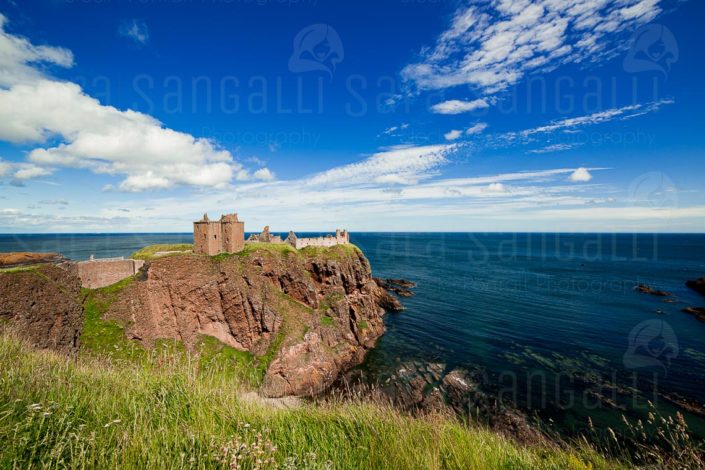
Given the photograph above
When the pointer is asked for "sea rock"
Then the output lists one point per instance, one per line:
(23, 258)
(388, 302)
(698, 312)
(698, 285)
(310, 316)
(402, 283)
(43, 305)
(644, 289)
(398, 286)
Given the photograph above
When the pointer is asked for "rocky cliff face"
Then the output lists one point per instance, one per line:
(309, 313)
(43, 304)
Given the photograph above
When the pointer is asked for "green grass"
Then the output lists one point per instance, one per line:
(162, 412)
(333, 252)
(273, 248)
(329, 301)
(106, 337)
(327, 321)
(20, 269)
(148, 252)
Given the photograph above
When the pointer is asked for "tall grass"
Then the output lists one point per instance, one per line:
(173, 411)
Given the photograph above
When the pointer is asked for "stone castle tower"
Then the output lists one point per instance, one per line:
(211, 237)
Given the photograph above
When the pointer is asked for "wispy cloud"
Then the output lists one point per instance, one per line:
(476, 129)
(401, 165)
(19, 55)
(394, 130)
(458, 106)
(626, 112)
(453, 135)
(18, 173)
(135, 30)
(554, 148)
(492, 45)
(367, 195)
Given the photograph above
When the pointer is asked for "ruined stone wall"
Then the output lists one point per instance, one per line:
(104, 272)
(318, 241)
(233, 236)
(207, 238)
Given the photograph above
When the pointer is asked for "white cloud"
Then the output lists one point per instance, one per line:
(17, 53)
(135, 30)
(491, 45)
(85, 134)
(27, 172)
(496, 188)
(580, 175)
(21, 172)
(405, 165)
(626, 112)
(107, 140)
(476, 129)
(452, 135)
(5, 168)
(458, 106)
(394, 130)
(264, 174)
(553, 148)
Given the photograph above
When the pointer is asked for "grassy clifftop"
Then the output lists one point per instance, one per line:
(169, 411)
(153, 251)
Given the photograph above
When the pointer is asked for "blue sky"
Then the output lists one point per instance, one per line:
(534, 115)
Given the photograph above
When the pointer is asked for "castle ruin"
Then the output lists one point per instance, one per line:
(342, 237)
(211, 237)
(227, 235)
(265, 237)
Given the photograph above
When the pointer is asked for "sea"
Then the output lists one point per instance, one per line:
(550, 322)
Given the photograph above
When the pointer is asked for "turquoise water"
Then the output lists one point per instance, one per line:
(545, 319)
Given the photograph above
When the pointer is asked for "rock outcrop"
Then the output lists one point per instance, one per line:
(23, 258)
(401, 287)
(419, 386)
(644, 289)
(306, 315)
(698, 285)
(43, 305)
(697, 312)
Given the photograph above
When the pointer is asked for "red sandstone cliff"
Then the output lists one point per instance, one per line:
(316, 311)
(43, 304)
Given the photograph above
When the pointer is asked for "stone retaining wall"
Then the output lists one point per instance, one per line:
(104, 272)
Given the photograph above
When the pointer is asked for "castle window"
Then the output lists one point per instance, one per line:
(215, 236)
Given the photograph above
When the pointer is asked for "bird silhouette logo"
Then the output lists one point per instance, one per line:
(653, 48)
(652, 345)
(316, 48)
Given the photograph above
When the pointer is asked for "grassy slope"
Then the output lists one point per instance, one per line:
(119, 405)
(169, 411)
